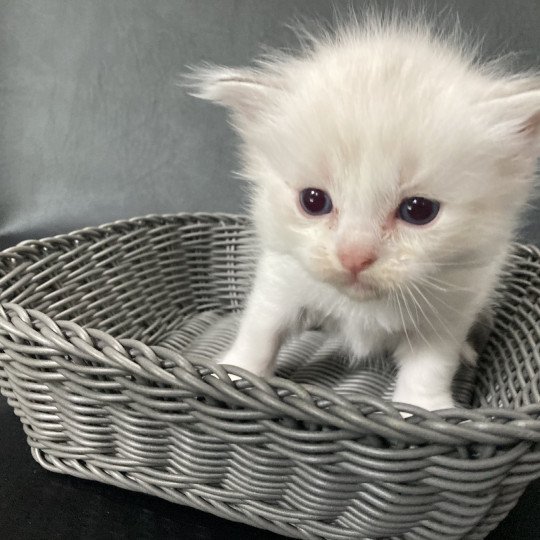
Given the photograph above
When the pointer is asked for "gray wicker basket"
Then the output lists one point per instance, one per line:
(107, 340)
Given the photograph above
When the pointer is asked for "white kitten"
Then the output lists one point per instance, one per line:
(388, 169)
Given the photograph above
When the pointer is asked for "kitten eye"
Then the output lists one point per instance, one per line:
(417, 210)
(315, 202)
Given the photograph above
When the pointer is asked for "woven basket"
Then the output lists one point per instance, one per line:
(107, 341)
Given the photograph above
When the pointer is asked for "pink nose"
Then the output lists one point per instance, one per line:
(356, 260)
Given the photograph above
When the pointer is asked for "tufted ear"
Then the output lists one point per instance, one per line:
(245, 92)
(516, 112)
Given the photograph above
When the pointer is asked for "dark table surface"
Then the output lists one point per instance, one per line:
(36, 504)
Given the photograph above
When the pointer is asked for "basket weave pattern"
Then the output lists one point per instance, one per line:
(107, 345)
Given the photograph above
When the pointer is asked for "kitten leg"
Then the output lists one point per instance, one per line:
(425, 376)
(256, 344)
(428, 363)
(264, 322)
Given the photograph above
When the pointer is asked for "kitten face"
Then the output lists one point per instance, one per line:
(368, 159)
(373, 119)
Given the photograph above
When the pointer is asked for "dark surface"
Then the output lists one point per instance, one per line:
(36, 504)
(93, 129)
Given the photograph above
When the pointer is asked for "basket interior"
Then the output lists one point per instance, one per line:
(136, 279)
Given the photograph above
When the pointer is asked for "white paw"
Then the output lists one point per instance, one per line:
(431, 403)
(257, 366)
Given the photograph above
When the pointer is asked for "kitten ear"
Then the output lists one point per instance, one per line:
(516, 109)
(245, 92)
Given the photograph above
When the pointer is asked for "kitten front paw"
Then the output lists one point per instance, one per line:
(431, 403)
(257, 366)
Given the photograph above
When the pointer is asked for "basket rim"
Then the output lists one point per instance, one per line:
(120, 223)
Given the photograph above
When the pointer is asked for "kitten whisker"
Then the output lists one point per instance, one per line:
(427, 319)
(442, 285)
(417, 325)
(403, 322)
(428, 290)
(430, 284)
(478, 263)
(435, 312)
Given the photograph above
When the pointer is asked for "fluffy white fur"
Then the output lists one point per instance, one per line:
(375, 113)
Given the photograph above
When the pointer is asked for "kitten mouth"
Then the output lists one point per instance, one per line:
(361, 287)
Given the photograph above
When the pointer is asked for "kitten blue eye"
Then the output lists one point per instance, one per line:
(417, 210)
(315, 202)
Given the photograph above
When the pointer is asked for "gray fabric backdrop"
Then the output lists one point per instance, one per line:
(93, 128)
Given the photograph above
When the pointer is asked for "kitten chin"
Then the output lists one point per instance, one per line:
(393, 165)
(360, 289)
